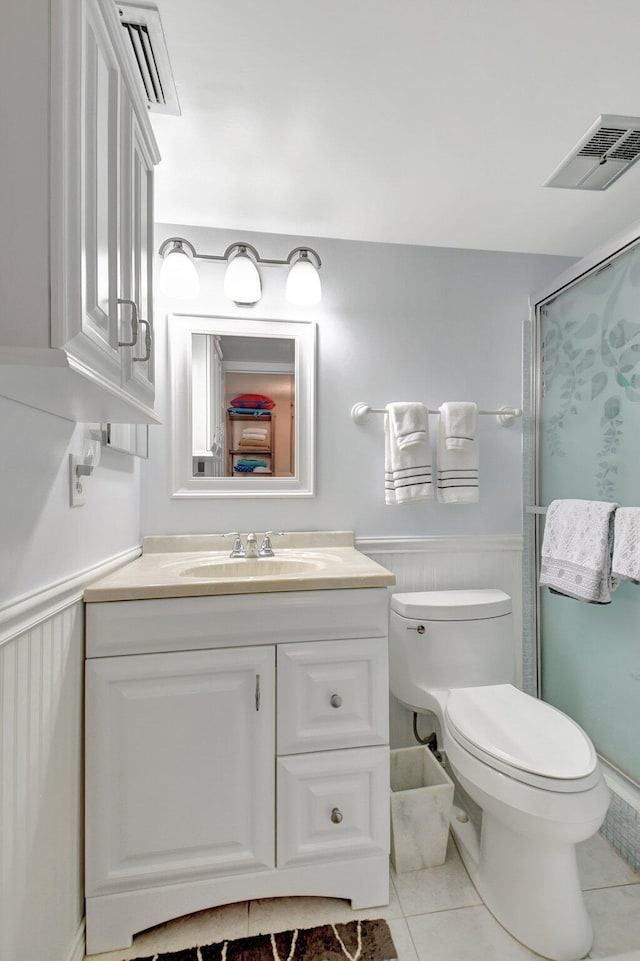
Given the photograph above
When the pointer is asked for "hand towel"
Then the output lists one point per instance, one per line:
(577, 548)
(460, 421)
(625, 565)
(410, 423)
(260, 435)
(457, 469)
(407, 470)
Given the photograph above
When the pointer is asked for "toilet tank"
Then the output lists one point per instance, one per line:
(446, 639)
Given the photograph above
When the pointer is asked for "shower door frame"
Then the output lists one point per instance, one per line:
(597, 260)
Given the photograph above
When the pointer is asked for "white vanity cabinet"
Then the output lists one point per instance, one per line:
(237, 748)
(83, 355)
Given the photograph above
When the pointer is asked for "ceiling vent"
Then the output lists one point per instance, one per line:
(607, 149)
(145, 39)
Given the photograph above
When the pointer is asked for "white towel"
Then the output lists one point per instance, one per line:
(409, 423)
(626, 545)
(457, 469)
(460, 421)
(257, 434)
(577, 548)
(407, 469)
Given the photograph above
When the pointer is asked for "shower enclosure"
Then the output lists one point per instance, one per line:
(584, 442)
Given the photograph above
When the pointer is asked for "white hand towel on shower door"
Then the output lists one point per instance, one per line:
(626, 545)
(407, 469)
(457, 468)
(577, 548)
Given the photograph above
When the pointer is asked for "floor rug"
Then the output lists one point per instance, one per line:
(355, 941)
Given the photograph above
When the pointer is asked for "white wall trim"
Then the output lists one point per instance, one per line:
(77, 950)
(432, 545)
(24, 612)
(621, 784)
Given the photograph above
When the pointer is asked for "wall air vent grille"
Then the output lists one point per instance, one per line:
(606, 151)
(150, 57)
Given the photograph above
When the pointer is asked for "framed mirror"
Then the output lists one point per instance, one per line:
(243, 406)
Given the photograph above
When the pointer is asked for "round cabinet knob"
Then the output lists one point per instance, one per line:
(336, 815)
(336, 700)
(420, 628)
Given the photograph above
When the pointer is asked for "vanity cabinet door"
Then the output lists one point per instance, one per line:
(332, 694)
(180, 767)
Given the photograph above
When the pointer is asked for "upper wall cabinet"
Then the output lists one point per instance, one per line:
(81, 344)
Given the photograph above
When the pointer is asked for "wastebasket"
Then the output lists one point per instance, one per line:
(421, 801)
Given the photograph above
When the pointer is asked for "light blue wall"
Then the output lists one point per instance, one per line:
(395, 323)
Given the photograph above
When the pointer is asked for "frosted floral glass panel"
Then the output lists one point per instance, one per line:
(590, 448)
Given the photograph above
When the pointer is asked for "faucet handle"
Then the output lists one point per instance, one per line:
(266, 550)
(237, 550)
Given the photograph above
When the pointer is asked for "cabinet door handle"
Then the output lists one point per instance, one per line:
(148, 337)
(336, 700)
(336, 815)
(419, 628)
(134, 323)
(257, 692)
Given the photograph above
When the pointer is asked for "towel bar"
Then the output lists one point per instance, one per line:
(505, 415)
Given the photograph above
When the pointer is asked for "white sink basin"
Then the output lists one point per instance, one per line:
(255, 567)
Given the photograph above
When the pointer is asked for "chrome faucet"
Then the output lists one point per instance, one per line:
(251, 548)
(237, 550)
(266, 550)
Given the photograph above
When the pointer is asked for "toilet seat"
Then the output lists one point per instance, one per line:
(522, 737)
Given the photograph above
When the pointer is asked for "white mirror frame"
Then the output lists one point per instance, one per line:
(181, 328)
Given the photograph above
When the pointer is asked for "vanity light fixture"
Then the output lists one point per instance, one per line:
(242, 284)
(178, 276)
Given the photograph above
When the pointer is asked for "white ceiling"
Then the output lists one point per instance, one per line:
(403, 121)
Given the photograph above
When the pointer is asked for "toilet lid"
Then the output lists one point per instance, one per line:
(468, 605)
(520, 731)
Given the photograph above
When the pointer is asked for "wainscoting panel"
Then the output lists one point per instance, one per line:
(449, 563)
(41, 807)
(41, 707)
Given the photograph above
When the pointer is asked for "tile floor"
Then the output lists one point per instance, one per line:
(434, 915)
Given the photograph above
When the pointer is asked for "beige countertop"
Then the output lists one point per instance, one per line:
(196, 565)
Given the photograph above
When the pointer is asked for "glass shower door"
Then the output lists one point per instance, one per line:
(589, 447)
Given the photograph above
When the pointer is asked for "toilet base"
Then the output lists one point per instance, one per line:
(531, 887)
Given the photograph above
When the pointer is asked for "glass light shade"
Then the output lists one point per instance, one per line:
(242, 280)
(303, 284)
(178, 276)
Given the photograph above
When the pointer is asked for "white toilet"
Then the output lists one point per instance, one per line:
(532, 771)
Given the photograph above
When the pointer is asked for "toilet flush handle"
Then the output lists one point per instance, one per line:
(419, 628)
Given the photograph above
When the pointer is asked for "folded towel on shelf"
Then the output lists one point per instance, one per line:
(253, 401)
(254, 430)
(409, 422)
(251, 462)
(253, 443)
(407, 469)
(625, 565)
(460, 420)
(577, 548)
(249, 412)
(257, 434)
(457, 469)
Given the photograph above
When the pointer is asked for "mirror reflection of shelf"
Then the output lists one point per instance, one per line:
(236, 424)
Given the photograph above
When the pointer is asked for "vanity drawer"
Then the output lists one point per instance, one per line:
(332, 805)
(332, 694)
